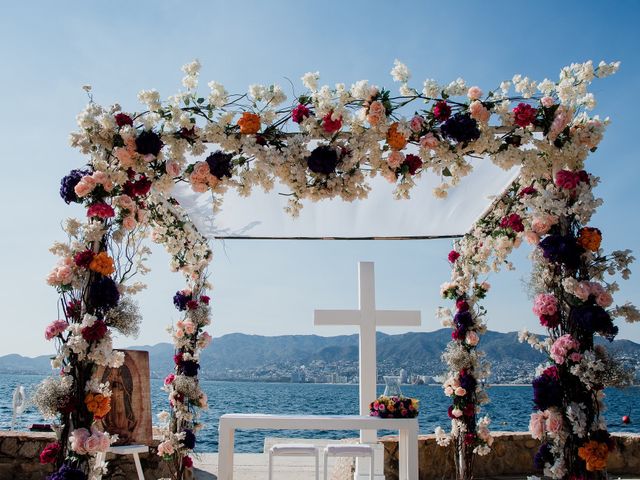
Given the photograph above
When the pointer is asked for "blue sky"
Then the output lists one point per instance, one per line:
(50, 49)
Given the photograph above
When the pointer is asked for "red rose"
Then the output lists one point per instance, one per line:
(50, 453)
(524, 115)
(192, 304)
(441, 111)
(469, 410)
(469, 439)
(123, 119)
(528, 191)
(83, 259)
(329, 125)
(583, 177)
(550, 321)
(414, 162)
(512, 221)
(137, 188)
(453, 256)
(462, 305)
(205, 299)
(567, 179)
(299, 113)
(177, 358)
(95, 332)
(187, 462)
(100, 210)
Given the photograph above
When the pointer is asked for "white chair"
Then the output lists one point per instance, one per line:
(293, 450)
(348, 450)
(125, 450)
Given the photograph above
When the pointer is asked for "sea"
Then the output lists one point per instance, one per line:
(509, 408)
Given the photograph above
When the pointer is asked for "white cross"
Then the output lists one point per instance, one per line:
(367, 318)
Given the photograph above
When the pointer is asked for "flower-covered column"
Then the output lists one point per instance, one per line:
(574, 282)
(479, 252)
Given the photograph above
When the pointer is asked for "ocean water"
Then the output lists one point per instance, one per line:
(509, 408)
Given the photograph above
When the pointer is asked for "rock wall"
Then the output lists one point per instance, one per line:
(512, 454)
(20, 451)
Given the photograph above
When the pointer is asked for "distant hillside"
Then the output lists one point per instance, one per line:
(418, 352)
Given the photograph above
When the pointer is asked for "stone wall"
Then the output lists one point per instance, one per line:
(512, 454)
(20, 451)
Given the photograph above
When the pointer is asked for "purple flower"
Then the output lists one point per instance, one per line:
(67, 472)
(461, 128)
(180, 300)
(463, 318)
(189, 440)
(323, 159)
(543, 456)
(562, 249)
(547, 391)
(590, 318)
(68, 185)
(148, 142)
(189, 368)
(103, 294)
(468, 382)
(219, 164)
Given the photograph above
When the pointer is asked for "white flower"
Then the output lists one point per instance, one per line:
(151, 98)
(310, 80)
(400, 72)
(218, 96)
(430, 88)
(257, 92)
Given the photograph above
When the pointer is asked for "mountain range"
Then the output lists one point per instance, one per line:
(240, 356)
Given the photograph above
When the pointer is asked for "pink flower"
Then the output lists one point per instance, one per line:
(125, 202)
(474, 93)
(561, 348)
(395, 159)
(532, 238)
(429, 141)
(479, 112)
(85, 186)
(460, 392)
(604, 299)
(562, 118)
(448, 391)
(536, 425)
(55, 328)
(472, 338)
(97, 442)
(541, 225)
(554, 422)
(165, 448)
(376, 114)
(545, 304)
(547, 102)
(453, 256)
(129, 222)
(205, 339)
(199, 187)
(456, 412)
(78, 438)
(173, 168)
(582, 291)
(189, 327)
(100, 210)
(168, 380)
(331, 125)
(575, 357)
(416, 123)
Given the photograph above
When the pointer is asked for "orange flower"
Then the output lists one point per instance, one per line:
(249, 123)
(395, 139)
(595, 455)
(102, 263)
(590, 238)
(97, 404)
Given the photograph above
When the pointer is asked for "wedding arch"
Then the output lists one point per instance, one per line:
(332, 143)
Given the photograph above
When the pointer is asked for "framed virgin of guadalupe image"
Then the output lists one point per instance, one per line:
(130, 414)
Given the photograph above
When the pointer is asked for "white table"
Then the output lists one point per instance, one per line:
(407, 429)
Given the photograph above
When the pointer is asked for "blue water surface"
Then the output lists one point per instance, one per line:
(509, 408)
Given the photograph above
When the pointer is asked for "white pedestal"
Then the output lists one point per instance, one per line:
(363, 465)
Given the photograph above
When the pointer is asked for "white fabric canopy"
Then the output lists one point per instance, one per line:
(262, 215)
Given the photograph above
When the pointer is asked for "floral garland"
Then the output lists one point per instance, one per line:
(344, 137)
(484, 249)
(574, 303)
